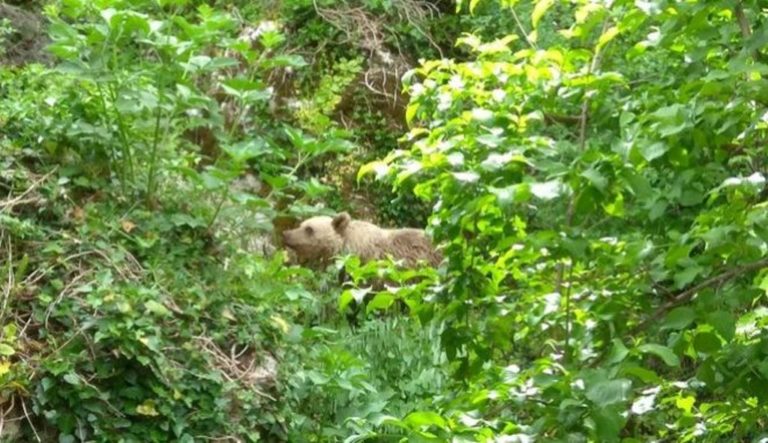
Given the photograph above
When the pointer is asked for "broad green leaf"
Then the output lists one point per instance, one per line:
(382, 301)
(380, 168)
(410, 112)
(608, 424)
(706, 342)
(72, 378)
(609, 392)
(539, 10)
(5, 367)
(345, 299)
(424, 418)
(723, 322)
(678, 318)
(663, 352)
(595, 178)
(618, 352)
(607, 36)
(157, 308)
(511, 194)
(652, 151)
(687, 276)
(246, 150)
(685, 403)
(6, 350)
(643, 374)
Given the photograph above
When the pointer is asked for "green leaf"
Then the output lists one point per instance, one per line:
(723, 322)
(345, 299)
(642, 374)
(607, 36)
(511, 194)
(706, 342)
(653, 151)
(157, 308)
(424, 418)
(609, 392)
(410, 112)
(679, 318)
(618, 352)
(687, 275)
(663, 352)
(685, 403)
(608, 424)
(72, 378)
(6, 350)
(382, 301)
(595, 178)
(246, 150)
(380, 168)
(541, 8)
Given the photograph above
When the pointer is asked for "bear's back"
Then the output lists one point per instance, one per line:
(413, 246)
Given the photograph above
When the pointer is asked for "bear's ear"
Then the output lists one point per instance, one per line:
(341, 221)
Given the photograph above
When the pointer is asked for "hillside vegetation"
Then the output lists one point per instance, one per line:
(593, 171)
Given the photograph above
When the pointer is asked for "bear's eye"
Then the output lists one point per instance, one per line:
(309, 230)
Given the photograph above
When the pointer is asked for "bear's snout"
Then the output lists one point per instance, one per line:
(287, 238)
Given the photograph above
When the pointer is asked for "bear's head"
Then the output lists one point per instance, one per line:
(317, 239)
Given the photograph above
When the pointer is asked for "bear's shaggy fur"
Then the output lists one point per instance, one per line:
(318, 239)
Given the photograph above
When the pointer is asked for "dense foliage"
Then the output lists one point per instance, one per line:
(593, 171)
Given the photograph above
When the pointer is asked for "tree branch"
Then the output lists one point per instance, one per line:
(746, 29)
(686, 295)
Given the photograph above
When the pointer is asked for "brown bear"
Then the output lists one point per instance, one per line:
(318, 239)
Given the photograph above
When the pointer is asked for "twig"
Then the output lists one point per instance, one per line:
(521, 28)
(61, 296)
(31, 425)
(746, 29)
(10, 284)
(684, 296)
(568, 317)
(15, 201)
(585, 104)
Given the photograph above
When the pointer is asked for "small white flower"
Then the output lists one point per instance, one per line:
(417, 90)
(498, 95)
(643, 404)
(481, 114)
(756, 179)
(456, 83)
(552, 302)
(456, 159)
(266, 26)
(444, 101)
(652, 391)
(467, 420)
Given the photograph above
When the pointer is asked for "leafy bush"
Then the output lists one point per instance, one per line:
(598, 196)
